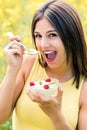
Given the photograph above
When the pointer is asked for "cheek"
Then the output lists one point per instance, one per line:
(38, 46)
(61, 47)
(62, 55)
(61, 50)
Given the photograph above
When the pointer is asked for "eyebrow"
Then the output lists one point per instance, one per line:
(46, 32)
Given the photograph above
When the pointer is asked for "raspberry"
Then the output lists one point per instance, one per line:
(46, 86)
(32, 83)
(48, 80)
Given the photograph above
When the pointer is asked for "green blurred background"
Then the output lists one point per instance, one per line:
(16, 16)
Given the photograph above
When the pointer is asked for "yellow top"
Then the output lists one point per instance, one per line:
(28, 116)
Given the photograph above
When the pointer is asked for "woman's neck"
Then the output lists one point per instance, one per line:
(62, 74)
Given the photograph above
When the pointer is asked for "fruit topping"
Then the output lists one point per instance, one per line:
(46, 86)
(32, 84)
(48, 80)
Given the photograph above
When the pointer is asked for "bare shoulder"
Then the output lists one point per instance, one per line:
(28, 62)
(82, 119)
(29, 59)
(83, 96)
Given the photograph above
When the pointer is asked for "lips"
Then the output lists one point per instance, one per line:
(50, 55)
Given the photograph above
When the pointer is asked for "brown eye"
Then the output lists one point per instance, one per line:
(52, 35)
(37, 35)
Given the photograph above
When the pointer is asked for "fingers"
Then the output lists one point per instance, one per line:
(30, 95)
(12, 37)
(16, 38)
(15, 47)
(39, 98)
(59, 94)
(35, 97)
(15, 42)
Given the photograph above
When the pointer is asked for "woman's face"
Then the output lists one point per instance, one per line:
(49, 44)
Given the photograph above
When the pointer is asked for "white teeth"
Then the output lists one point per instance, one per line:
(48, 52)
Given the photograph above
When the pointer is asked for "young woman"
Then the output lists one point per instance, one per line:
(58, 36)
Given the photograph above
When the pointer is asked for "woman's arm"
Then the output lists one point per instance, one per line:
(13, 83)
(7, 93)
(19, 67)
(82, 121)
(14, 55)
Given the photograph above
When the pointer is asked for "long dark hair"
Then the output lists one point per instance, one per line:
(67, 23)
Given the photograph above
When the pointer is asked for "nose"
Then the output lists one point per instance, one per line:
(44, 43)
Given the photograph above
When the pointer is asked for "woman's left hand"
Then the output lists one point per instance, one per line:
(50, 105)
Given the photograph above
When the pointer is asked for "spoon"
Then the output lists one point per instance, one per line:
(27, 51)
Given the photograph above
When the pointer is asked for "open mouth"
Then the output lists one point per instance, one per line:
(50, 55)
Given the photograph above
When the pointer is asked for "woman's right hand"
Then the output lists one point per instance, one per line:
(14, 52)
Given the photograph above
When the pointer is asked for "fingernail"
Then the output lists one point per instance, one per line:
(60, 88)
